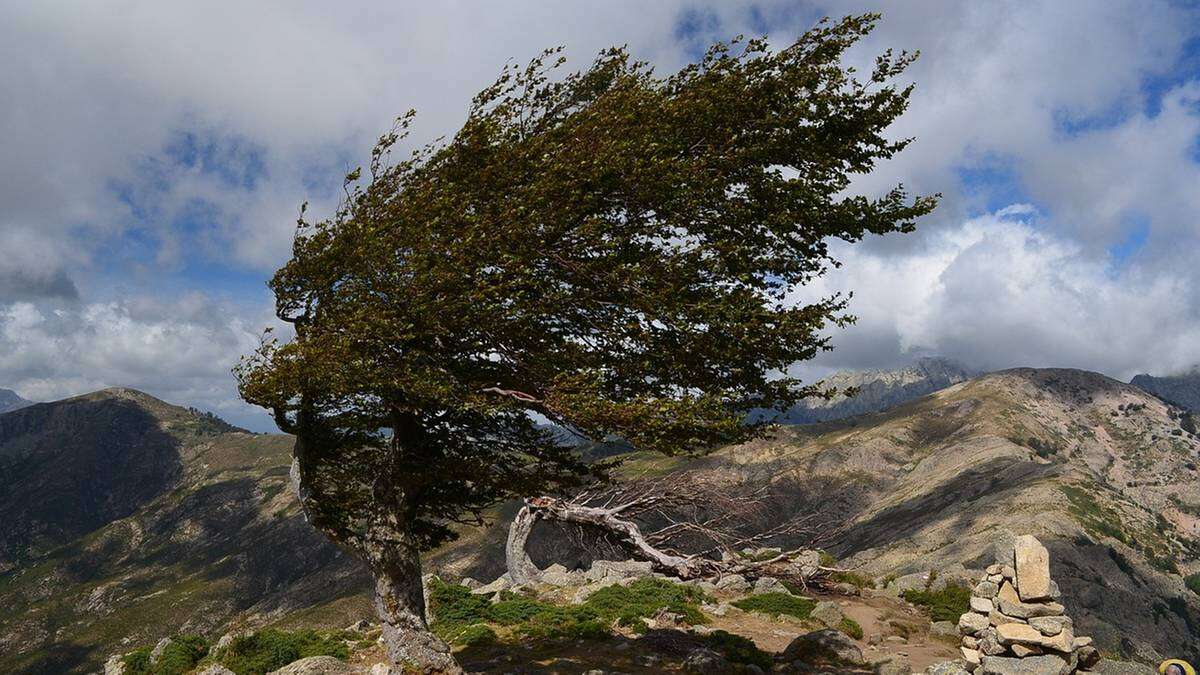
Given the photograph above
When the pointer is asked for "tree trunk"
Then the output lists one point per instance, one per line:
(400, 602)
(521, 569)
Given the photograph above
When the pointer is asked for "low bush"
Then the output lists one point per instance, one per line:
(267, 650)
(738, 649)
(946, 604)
(776, 604)
(644, 598)
(179, 656)
(851, 627)
(1193, 582)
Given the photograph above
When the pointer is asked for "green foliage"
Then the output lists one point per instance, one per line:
(1193, 582)
(458, 615)
(611, 250)
(853, 578)
(851, 627)
(644, 598)
(776, 604)
(178, 657)
(738, 649)
(946, 604)
(271, 649)
(1096, 519)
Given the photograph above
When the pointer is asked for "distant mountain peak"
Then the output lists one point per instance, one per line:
(10, 400)
(879, 389)
(1182, 389)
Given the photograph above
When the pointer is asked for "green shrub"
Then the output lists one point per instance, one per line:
(464, 635)
(272, 649)
(455, 604)
(178, 657)
(851, 627)
(945, 605)
(738, 649)
(853, 578)
(644, 598)
(513, 609)
(775, 604)
(1193, 582)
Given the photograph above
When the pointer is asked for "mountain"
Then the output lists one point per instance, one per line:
(1182, 390)
(125, 518)
(877, 390)
(1099, 470)
(146, 520)
(9, 400)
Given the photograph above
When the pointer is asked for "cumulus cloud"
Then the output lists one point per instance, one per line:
(155, 149)
(182, 351)
(1000, 291)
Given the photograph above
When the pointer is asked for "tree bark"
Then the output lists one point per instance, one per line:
(400, 603)
(521, 569)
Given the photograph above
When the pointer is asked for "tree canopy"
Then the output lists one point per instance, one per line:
(610, 251)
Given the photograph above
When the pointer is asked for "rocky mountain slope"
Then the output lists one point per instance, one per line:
(1182, 390)
(877, 390)
(9, 400)
(1100, 471)
(1103, 473)
(123, 518)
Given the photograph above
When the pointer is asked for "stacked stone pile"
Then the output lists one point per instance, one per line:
(1016, 623)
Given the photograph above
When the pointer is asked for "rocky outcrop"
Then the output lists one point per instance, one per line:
(1182, 390)
(9, 401)
(1016, 626)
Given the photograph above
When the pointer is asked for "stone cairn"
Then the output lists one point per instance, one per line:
(1016, 624)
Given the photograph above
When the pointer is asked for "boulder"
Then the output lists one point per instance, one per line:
(1032, 564)
(908, 582)
(705, 661)
(733, 583)
(602, 570)
(1020, 633)
(827, 641)
(557, 575)
(943, 628)
(317, 665)
(891, 665)
(497, 586)
(828, 613)
(215, 669)
(985, 589)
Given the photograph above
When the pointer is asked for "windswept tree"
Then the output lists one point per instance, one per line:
(610, 251)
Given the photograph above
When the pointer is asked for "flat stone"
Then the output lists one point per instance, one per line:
(970, 642)
(1051, 625)
(1028, 610)
(971, 655)
(996, 617)
(1019, 633)
(1033, 568)
(316, 665)
(994, 569)
(947, 668)
(1008, 572)
(989, 645)
(1048, 664)
(972, 623)
(981, 605)
(1024, 650)
(1081, 641)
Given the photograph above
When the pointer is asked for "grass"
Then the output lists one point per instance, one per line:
(946, 604)
(459, 617)
(777, 604)
(851, 627)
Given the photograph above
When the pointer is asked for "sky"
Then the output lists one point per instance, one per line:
(155, 155)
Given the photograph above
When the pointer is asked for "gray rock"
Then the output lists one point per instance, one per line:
(114, 665)
(317, 665)
(497, 586)
(618, 569)
(891, 665)
(1048, 664)
(985, 589)
(943, 628)
(769, 585)
(470, 583)
(215, 669)
(828, 641)
(734, 583)
(981, 605)
(972, 623)
(828, 613)
(947, 668)
(1051, 625)
(1113, 667)
(705, 661)
(908, 582)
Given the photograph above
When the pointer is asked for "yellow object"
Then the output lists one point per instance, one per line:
(1187, 667)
